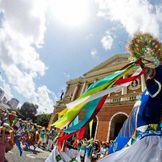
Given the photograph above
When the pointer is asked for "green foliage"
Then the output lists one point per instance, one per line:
(28, 110)
(43, 119)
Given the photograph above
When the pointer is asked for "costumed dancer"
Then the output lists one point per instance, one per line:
(43, 139)
(6, 133)
(12, 117)
(82, 149)
(6, 140)
(103, 150)
(51, 137)
(145, 140)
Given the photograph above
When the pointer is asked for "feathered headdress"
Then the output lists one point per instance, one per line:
(146, 48)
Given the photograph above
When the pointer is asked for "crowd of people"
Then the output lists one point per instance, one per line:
(24, 134)
(90, 150)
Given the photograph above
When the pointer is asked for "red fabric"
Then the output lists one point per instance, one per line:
(139, 62)
(66, 136)
(60, 144)
(80, 134)
(75, 144)
(99, 106)
(121, 81)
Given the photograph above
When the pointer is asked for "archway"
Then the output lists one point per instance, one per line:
(116, 124)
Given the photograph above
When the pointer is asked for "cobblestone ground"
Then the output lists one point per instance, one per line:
(28, 156)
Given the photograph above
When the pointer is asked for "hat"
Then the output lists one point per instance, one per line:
(104, 143)
(24, 121)
(13, 113)
(7, 127)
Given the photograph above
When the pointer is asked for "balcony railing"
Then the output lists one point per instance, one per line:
(123, 98)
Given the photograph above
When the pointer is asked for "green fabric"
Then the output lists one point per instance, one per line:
(103, 83)
(94, 88)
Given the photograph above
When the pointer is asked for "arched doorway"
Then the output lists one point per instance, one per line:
(116, 124)
(94, 129)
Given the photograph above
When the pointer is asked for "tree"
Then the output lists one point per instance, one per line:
(28, 110)
(43, 119)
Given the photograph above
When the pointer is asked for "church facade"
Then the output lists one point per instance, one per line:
(118, 105)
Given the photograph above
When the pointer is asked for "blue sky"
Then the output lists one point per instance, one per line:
(43, 44)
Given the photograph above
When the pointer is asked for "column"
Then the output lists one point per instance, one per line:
(74, 93)
(123, 92)
(83, 87)
(143, 84)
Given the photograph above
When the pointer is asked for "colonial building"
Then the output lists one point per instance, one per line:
(117, 106)
(13, 103)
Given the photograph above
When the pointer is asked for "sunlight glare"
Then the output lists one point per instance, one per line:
(71, 12)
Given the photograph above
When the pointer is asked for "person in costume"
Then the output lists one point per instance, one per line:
(103, 150)
(95, 151)
(51, 136)
(43, 139)
(6, 140)
(144, 142)
(148, 51)
(82, 149)
(12, 117)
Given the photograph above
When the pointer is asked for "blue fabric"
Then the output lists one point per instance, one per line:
(135, 120)
(144, 99)
(89, 150)
(153, 107)
(90, 107)
(118, 144)
(148, 112)
(18, 144)
(75, 121)
(27, 144)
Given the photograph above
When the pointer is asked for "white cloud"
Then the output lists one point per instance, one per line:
(93, 53)
(21, 33)
(134, 15)
(107, 41)
(6, 87)
(45, 103)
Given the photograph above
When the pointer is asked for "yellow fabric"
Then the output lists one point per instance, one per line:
(90, 127)
(62, 112)
(69, 116)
